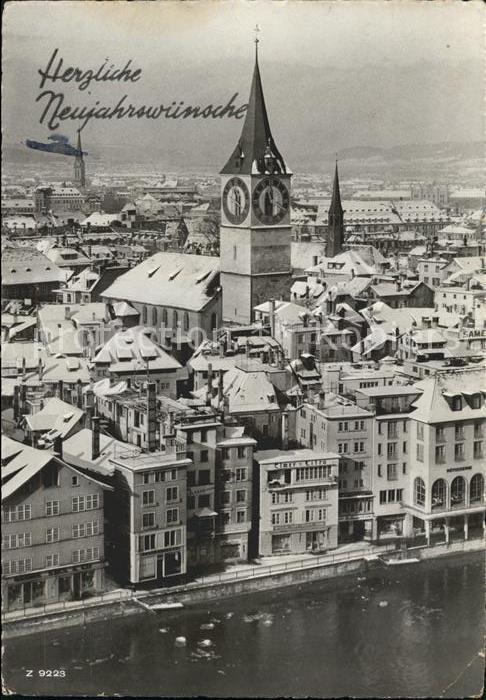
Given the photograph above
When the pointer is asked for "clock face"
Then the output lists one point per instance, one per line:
(236, 200)
(271, 200)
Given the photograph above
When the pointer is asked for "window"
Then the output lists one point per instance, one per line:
(241, 474)
(203, 477)
(172, 538)
(399, 495)
(85, 529)
(154, 316)
(185, 321)
(204, 455)
(148, 498)
(204, 500)
(225, 497)
(52, 535)
(20, 566)
(80, 503)
(459, 432)
(392, 472)
(147, 543)
(241, 496)
(478, 449)
(378, 469)
(240, 516)
(23, 539)
(392, 449)
(439, 493)
(382, 497)
(14, 513)
(476, 489)
(191, 478)
(379, 448)
(457, 403)
(404, 467)
(478, 430)
(440, 454)
(148, 520)
(52, 508)
(172, 493)
(89, 554)
(420, 431)
(226, 453)
(392, 429)
(459, 452)
(420, 452)
(440, 434)
(241, 452)
(458, 491)
(75, 481)
(172, 515)
(419, 492)
(52, 560)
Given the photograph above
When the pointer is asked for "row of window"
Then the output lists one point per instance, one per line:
(171, 494)
(164, 317)
(24, 512)
(225, 517)
(310, 515)
(344, 426)
(457, 491)
(358, 466)
(391, 496)
(24, 539)
(22, 566)
(312, 473)
(343, 447)
(240, 452)
(392, 470)
(392, 428)
(159, 476)
(225, 496)
(357, 484)
(360, 505)
(172, 538)
(392, 448)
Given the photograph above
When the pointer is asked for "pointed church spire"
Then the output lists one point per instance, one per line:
(335, 236)
(256, 137)
(79, 149)
(79, 167)
(336, 194)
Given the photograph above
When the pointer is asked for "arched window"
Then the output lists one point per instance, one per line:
(186, 321)
(439, 494)
(144, 315)
(419, 492)
(214, 321)
(476, 489)
(175, 319)
(165, 317)
(458, 491)
(154, 316)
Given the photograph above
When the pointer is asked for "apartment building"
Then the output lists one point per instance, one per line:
(298, 501)
(52, 528)
(146, 513)
(447, 456)
(336, 424)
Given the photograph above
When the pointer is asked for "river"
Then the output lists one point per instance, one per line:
(404, 631)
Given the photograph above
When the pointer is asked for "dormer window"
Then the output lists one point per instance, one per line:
(476, 401)
(457, 403)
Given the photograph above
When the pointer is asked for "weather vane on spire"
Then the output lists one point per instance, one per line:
(257, 30)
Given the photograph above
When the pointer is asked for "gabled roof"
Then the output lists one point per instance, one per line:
(57, 416)
(131, 349)
(25, 462)
(433, 405)
(169, 280)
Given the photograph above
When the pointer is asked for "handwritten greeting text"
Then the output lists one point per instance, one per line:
(56, 109)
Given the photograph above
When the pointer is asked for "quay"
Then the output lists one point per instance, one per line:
(238, 580)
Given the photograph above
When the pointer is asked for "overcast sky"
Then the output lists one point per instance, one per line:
(335, 74)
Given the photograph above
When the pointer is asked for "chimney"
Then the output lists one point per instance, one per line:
(209, 388)
(285, 430)
(220, 387)
(79, 394)
(67, 313)
(426, 322)
(95, 437)
(58, 446)
(24, 368)
(151, 416)
(23, 399)
(16, 402)
(221, 348)
(247, 350)
(435, 321)
(322, 399)
(272, 318)
(60, 389)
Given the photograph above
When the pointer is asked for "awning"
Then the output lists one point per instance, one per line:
(204, 513)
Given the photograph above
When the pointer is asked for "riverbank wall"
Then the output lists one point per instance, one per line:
(199, 592)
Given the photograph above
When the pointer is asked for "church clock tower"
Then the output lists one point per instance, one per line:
(255, 216)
